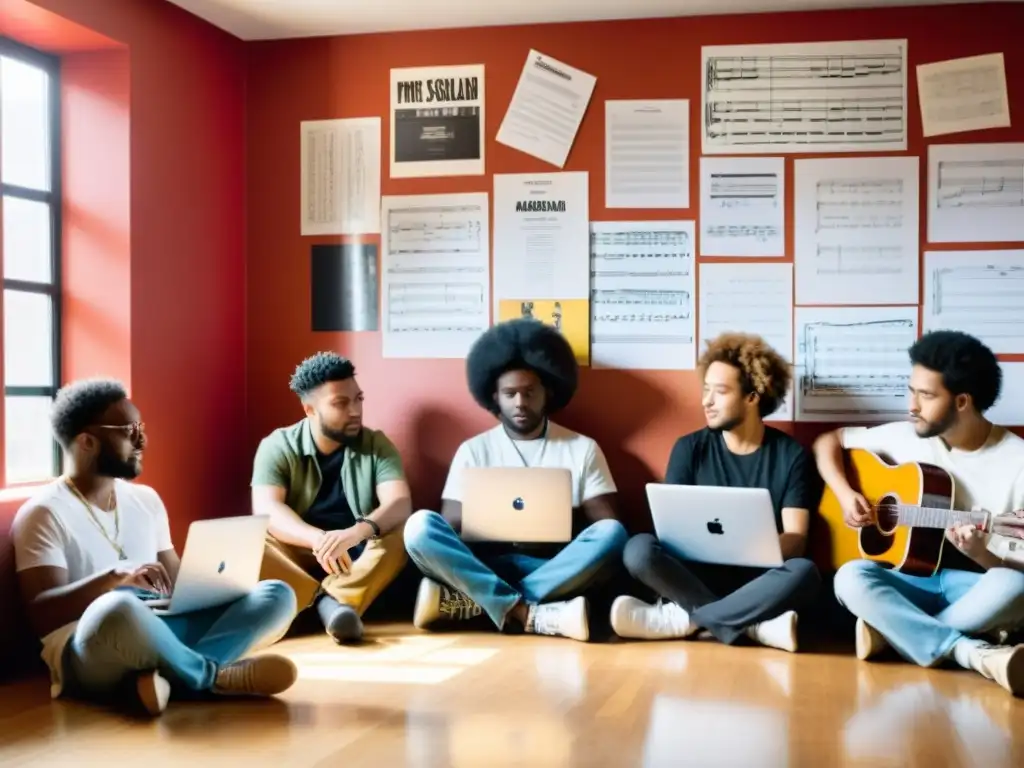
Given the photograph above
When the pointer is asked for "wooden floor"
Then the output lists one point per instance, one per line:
(412, 699)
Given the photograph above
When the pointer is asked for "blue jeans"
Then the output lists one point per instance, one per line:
(497, 583)
(119, 636)
(923, 617)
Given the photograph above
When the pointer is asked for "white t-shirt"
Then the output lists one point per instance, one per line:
(991, 477)
(561, 448)
(53, 528)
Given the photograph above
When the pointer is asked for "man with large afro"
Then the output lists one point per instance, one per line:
(522, 371)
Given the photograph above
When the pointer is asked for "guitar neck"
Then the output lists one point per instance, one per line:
(936, 517)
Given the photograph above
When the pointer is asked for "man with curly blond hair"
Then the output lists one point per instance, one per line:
(745, 380)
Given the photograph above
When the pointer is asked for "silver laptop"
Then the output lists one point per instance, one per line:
(221, 563)
(710, 524)
(517, 504)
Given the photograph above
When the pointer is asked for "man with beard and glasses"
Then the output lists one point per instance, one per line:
(979, 590)
(337, 499)
(522, 371)
(90, 544)
(744, 380)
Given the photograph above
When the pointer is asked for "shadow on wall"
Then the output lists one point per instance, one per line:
(19, 649)
(615, 422)
(436, 435)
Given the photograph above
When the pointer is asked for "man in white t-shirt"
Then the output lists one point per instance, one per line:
(521, 371)
(980, 589)
(90, 546)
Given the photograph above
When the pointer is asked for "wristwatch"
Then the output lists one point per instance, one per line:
(373, 525)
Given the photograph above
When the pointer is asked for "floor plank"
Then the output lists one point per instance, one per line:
(426, 700)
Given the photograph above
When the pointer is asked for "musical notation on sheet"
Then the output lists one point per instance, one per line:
(750, 298)
(856, 238)
(642, 295)
(742, 206)
(975, 193)
(851, 362)
(809, 97)
(436, 274)
(977, 292)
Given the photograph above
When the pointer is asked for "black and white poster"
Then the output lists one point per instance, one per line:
(437, 121)
(343, 287)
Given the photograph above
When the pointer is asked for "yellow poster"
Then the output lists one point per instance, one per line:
(571, 317)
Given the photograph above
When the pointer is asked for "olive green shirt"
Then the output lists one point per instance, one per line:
(287, 458)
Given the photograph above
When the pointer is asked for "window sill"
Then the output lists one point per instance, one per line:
(22, 492)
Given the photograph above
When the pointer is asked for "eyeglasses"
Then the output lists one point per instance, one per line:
(133, 431)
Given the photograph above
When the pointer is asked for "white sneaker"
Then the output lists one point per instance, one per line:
(868, 640)
(636, 619)
(436, 602)
(153, 691)
(562, 619)
(1002, 663)
(779, 632)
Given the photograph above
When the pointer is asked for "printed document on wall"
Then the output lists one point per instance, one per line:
(647, 154)
(963, 95)
(340, 176)
(546, 109)
(1008, 410)
(642, 295)
(541, 237)
(851, 362)
(975, 193)
(742, 206)
(977, 292)
(750, 298)
(437, 121)
(856, 238)
(436, 274)
(805, 97)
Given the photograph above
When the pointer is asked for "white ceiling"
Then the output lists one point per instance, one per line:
(273, 19)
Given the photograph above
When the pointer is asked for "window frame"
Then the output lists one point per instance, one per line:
(54, 199)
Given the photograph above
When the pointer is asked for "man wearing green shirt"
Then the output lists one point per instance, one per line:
(337, 499)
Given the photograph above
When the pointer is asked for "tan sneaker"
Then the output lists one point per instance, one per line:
(1001, 663)
(869, 641)
(153, 692)
(438, 603)
(779, 632)
(256, 676)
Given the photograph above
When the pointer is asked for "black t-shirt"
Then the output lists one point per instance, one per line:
(781, 465)
(330, 510)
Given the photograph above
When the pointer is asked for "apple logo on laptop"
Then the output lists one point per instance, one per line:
(221, 567)
(518, 504)
(715, 527)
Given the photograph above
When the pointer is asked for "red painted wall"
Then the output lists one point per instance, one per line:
(423, 404)
(187, 241)
(176, 172)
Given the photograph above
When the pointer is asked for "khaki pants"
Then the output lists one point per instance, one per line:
(379, 564)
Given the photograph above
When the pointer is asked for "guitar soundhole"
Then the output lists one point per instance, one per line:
(874, 539)
(887, 514)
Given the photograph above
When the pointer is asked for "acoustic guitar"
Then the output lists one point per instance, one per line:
(913, 507)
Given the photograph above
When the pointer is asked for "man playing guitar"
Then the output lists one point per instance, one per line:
(980, 589)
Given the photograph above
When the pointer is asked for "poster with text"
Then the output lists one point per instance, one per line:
(437, 121)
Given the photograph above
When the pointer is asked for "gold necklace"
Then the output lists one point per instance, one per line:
(117, 517)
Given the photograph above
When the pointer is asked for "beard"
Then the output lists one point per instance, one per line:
(727, 425)
(533, 420)
(342, 436)
(109, 465)
(926, 429)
